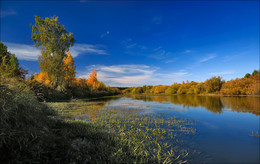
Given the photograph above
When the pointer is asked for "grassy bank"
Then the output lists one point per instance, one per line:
(46, 93)
(35, 132)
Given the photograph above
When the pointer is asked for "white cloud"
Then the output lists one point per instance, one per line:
(132, 75)
(31, 53)
(130, 46)
(171, 60)
(222, 73)
(87, 49)
(5, 13)
(187, 51)
(209, 57)
(24, 51)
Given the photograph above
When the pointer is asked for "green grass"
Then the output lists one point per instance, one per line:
(33, 132)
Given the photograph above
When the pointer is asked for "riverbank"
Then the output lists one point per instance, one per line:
(248, 85)
(209, 94)
(35, 132)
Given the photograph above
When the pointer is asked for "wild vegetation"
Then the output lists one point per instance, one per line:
(149, 138)
(57, 77)
(249, 85)
(34, 132)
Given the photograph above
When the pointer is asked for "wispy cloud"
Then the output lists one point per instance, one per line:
(201, 60)
(222, 73)
(162, 54)
(132, 75)
(158, 53)
(87, 49)
(130, 46)
(171, 60)
(207, 58)
(5, 13)
(187, 51)
(24, 51)
(31, 53)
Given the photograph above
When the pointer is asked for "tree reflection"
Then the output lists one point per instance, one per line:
(215, 104)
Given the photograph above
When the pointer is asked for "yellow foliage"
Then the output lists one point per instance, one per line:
(69, 69)
(42, 77)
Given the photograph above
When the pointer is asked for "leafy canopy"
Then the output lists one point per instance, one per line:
(54, 41)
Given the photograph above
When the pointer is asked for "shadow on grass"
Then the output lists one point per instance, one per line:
(32, 132)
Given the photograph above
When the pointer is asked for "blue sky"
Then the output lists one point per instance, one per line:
(138, 42)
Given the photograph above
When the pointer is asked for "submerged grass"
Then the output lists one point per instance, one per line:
(145, 138)
(255, 134)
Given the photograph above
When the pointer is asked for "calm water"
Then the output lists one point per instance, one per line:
(223, 128)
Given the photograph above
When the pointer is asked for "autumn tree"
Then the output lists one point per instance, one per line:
(92, 80)
(42, 77)
(69, 69)
(213, 84)
(159, 89)
(186, 88)
(243, 86)
(54, 41)
(173, 88)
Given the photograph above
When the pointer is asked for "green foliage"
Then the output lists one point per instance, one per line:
(9, 64)
(255, 72)
(247, 75)
(13, 66)
(4, 52)
(54, 41)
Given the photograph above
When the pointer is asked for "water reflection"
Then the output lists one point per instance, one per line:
(84, 108)
(215, 104)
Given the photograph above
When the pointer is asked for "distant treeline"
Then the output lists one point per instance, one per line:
(249, 85)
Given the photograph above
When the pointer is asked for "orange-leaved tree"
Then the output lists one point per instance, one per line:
(42, 77)
(69, 69)
(92, 80)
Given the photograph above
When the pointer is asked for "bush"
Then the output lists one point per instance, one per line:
(213, 84)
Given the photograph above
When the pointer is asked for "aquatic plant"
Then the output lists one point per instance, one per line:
(145, 137)
(255, 134)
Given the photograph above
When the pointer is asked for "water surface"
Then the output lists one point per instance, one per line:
(224, 124)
